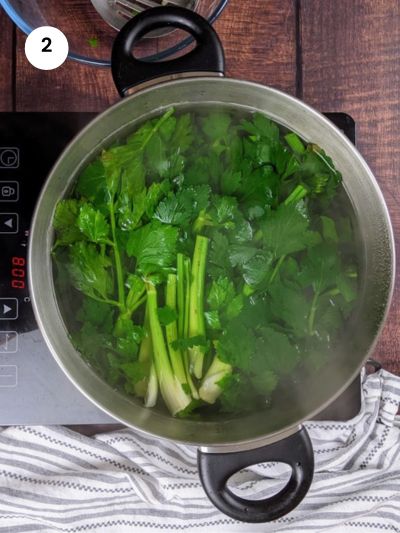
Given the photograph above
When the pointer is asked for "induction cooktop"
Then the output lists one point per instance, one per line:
(33, 389)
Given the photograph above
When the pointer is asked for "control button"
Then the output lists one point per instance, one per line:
(8, 376)
(9, 157)
(8, 342)
(8, 223)
(9, 191)
(8, 308)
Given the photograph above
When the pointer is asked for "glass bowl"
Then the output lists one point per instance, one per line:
(90, 37)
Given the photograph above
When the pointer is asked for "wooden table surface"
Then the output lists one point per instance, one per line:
(337, 55)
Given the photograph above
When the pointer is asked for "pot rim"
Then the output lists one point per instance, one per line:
(35, 238)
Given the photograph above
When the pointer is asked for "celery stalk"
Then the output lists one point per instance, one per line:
(171, 330)
(146, 355)
(196, 315)
(209, 390)
(183, 295)
(175, 398)
(150, 398)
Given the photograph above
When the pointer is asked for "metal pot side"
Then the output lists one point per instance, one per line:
(313, 392)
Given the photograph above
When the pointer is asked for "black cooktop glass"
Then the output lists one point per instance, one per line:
(33, 390)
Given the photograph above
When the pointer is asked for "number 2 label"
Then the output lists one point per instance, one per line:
(46, 48)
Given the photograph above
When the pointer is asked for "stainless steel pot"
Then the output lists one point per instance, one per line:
(226, 444)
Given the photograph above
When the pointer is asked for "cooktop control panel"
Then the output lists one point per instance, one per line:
(33, 389)
(29, 145)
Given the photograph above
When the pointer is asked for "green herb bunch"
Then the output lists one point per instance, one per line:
(204, 260)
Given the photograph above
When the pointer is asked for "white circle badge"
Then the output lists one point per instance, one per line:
(46, 48)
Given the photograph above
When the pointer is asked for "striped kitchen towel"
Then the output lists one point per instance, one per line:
(55, 480)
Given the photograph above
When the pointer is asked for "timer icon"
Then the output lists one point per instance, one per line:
(9, 157)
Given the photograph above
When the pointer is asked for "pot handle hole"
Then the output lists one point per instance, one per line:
(215, 469)
(207, 57)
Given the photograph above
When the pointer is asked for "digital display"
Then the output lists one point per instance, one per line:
(16, 313)
(18, 272)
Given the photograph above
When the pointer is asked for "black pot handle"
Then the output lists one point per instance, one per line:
(128, 71)
(215, 469)
(376, 365)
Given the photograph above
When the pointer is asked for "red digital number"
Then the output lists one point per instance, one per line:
(18, 272)
(18, 261)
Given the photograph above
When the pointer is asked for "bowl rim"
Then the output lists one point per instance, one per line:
(27, 29)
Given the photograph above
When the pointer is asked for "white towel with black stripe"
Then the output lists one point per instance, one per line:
(55, 480)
